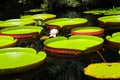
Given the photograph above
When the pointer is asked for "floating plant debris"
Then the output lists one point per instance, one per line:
(103, 71)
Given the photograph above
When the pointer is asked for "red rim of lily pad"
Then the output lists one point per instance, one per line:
(20, 59)
(66, 23)
(25, 33)
(69, 52)
(114, 40)
(88, 31)
(7, 41)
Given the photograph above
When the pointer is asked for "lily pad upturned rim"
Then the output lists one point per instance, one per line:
(97, 32)
(18, 62)
(102, 70)
(12, 41)
(65, 51)
(70, 20)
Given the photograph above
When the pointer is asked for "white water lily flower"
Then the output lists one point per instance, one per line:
(53, 32)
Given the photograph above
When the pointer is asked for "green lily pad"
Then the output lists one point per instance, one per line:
(23, 33)
(103, 71)
(7, 41)
(42, 17)
(111, 19)
(35, 10)
(88, 30)
(16, 22)
(22, 21)
(104, 11)
(95, 11)
(21, 30)
(114, 38)
(26, 17)
(66, 21)
(20, 59)
(74, 45)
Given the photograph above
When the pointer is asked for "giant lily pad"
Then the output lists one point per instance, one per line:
(88, 30)
(22, 22)
(42, 17)
(106, 19)
(110, 21)
(114, 40)
(7, 41)
(74, 46)
(35, 10)
(107, 11)
(17, 22)
(66, 23)
(20, 59)
(95, 11)
(22, 32)
(103, 71)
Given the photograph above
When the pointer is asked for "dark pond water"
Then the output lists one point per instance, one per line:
(57, 68)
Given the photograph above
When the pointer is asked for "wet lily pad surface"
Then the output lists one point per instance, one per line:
(19, 59)
(66, 21)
